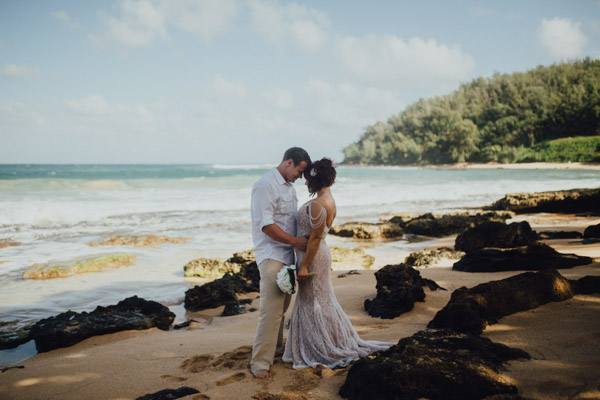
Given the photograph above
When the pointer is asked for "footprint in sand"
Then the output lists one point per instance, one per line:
(232, 379)
(172, 378)
(236, 359)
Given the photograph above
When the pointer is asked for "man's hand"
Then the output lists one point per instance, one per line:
(301, 242)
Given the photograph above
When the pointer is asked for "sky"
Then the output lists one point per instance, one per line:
(238, 82)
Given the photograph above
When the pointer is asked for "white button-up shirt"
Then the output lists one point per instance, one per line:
(273, 201)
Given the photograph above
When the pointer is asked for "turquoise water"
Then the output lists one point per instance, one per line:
(54, 211)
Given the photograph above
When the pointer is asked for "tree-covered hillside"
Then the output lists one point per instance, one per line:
(507, 118)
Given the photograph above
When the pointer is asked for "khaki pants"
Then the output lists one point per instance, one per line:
(273, 305)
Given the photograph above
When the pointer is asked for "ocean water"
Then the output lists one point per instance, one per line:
(54, 211)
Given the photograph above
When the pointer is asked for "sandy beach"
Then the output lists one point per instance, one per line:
(212, 354)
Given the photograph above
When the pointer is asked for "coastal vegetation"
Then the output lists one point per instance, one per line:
(548, 114)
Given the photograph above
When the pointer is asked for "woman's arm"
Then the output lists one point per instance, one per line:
(318, 216)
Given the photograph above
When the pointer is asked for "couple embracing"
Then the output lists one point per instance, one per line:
(320, 333)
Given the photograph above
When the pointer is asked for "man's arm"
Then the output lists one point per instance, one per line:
(276, 233)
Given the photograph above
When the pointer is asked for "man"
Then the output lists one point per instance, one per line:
(273, 208)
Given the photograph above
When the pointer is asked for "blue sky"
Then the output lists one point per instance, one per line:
(228, 81)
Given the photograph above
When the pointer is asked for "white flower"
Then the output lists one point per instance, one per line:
(313, 172)
(286, 279)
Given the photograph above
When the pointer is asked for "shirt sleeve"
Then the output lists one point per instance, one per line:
(263, 205)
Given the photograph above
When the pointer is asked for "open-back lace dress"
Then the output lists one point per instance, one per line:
(320, 332)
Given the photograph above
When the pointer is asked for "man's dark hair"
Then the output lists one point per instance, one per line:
(297, 154)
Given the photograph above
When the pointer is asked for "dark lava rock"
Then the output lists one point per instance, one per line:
(398, 287)
(495, 234)
(242, 257)
(560, 201)
(432, 365)
(535, 257)
(169, 394)
(223, 291)
(471, 310)
(233, 309)
(68, 328)
(592, 231)
(559, 235)
(14, 338)
(429, 225)
(587, 285)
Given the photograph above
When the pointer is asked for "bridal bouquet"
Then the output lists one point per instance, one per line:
(286, 279)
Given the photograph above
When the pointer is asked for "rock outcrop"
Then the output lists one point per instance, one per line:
(14, 338)
(560, 201)
(138, 241)
(535, 257)
(170, 394)
(365, 230)
(495, 234)
(82, 266)
(69, 328)
(433, 365)
(427, 257)
(560, 235)
(429, 225)
(471, 310)
(223, 291)
(424, 225)
(592, 231)
(209, 268)
(398, 287)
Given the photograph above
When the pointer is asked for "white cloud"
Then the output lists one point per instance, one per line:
(141, 23)
(561, 38)
(347, 108)
(223, 89)
(206, 18)
(12, 71)
(306, 27)
(388, 60)
(15, 114)
(66, 20)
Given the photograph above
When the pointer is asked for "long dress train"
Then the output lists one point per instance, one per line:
(320, 332)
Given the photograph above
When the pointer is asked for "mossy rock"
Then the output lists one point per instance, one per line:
(7, 243)
(209, 268)
(97, 264)
(366, 230)
(138, 241)
(343, 258)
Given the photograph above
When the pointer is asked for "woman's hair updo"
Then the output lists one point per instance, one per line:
(320, 174)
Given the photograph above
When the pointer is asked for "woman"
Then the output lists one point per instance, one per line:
(320, 332)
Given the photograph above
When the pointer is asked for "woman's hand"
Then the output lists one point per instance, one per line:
(303, 273)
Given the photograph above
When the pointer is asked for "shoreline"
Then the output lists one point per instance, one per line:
(130, 364)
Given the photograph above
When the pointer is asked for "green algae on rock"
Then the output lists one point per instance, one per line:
(8, 243)
(209, 268)
(96, 264)
(138, 241)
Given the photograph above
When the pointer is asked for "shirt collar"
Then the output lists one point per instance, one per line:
(279, 178)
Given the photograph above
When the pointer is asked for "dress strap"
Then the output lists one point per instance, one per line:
(319, 219)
